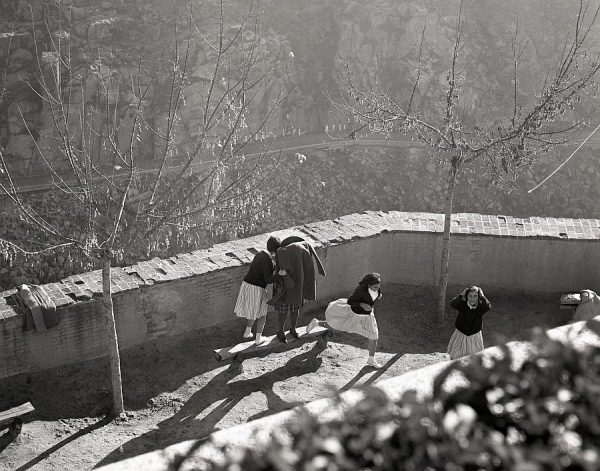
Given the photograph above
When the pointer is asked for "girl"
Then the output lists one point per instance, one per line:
(355, 315)
(251, 302)
(467, 339)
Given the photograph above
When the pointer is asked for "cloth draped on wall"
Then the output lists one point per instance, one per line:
(588, 308)
(295, 256)
(39, 311)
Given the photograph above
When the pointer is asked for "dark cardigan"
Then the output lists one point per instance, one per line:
(260, 272)
(361, 295)
(468, 321)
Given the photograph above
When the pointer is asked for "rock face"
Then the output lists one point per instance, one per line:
(117, 47)
(64, 64)
(120, 43)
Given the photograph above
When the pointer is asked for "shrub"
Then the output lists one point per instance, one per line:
(543, 415)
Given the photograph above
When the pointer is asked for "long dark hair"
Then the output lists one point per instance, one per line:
(370, 279)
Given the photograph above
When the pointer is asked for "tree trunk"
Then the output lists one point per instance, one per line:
(443, 275)
(113, 342)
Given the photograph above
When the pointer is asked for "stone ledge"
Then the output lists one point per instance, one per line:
(236, 253)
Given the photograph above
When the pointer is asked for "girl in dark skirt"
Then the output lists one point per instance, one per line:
(471, 305)
(356, 315)
(251, 302)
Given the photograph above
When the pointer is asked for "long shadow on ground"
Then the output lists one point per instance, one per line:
(185, 424)
(406, 317)
(89, 381)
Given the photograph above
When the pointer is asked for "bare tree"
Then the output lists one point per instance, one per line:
(102, 120)
(459, 135)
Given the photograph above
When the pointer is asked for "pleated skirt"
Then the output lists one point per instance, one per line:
(340, 316)
(461, 345)
(251, 301)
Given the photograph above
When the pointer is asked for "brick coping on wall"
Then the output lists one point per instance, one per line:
(87, 286)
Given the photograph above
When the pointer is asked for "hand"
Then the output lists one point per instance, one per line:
(366, 307)
(282, 272)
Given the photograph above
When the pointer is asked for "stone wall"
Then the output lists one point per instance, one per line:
(194, 290)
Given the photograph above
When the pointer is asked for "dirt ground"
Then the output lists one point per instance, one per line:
(175, 390)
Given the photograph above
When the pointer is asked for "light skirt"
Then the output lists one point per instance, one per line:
(251, 301)
(461, 345)
(340, 316)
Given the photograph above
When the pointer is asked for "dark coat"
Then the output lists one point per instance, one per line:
(361, 295)
(299, 284)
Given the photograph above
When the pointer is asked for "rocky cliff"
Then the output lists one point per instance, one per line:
(309, 41)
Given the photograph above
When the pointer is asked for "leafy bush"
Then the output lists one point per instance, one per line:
(541, 416)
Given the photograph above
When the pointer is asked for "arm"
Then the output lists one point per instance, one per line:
(457, 301)
(484, 302)
(267, 267)
(358, 301)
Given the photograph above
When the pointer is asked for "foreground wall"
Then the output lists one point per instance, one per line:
(198, 289)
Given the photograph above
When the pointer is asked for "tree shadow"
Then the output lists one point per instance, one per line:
(85, 387)
(226, 394)
(381, 371)
(45, 454)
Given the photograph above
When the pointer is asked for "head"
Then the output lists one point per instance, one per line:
(371, 280)
(273, 243)
(473, 295)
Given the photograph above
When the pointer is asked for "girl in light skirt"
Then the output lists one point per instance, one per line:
(355, 314)
(252, 299)
(467, 339)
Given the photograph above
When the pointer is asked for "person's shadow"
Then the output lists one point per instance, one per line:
(185, 425)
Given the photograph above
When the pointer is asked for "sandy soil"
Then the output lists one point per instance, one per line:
(175, 390)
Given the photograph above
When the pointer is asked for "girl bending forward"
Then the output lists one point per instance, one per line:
(251, 302)
(355, 314)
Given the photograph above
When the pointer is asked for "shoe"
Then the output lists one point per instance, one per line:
(373, 364)
(311, 325)
(294, 334)
(260, 341)
(281, 336)
(248, 336)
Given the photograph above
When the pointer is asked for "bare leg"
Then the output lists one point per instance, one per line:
(248, 331)
(372, 348)
(260, 325)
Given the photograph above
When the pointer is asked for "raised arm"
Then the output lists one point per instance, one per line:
(457, 301)
(485, 303)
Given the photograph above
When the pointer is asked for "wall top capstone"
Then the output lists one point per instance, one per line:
(88, 286)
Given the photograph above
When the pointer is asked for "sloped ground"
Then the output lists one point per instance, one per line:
(175, 390)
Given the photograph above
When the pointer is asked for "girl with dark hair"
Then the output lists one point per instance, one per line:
(251, 302)
(355, 314)
(471, 305)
